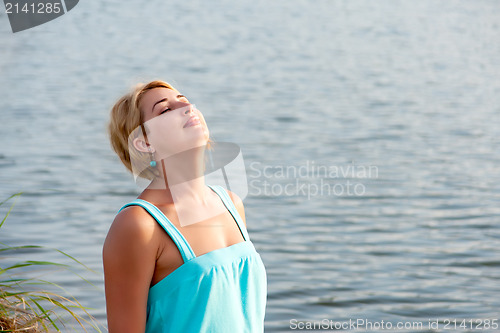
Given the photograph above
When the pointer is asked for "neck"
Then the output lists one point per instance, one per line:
(182, 176)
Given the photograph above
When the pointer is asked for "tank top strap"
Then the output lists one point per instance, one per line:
(226, 199)
(179, 240)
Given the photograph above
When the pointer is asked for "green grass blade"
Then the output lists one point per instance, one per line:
(21, 301)
(22, 247)
(11, 207)
(45, 313)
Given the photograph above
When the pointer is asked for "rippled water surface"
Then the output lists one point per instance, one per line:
(369, 129)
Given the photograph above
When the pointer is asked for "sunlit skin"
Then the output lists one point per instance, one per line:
(166, 113)
(137, 252)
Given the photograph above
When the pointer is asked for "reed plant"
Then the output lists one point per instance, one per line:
(35, 305)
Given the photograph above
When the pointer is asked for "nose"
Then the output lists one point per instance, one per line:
(189, 109)
(179, 104)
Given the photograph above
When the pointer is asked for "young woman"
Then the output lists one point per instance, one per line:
(178, 258)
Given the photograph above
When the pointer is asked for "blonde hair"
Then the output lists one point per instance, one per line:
(125, 119)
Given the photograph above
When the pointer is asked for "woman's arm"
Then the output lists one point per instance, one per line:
(129, 256)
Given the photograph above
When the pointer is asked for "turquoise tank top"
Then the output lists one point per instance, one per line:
(224, 290)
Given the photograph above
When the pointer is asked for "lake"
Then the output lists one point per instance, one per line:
(368, 129)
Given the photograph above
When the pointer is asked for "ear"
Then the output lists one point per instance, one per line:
(142, 146)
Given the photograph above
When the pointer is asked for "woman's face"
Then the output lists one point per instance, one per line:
(172, 124)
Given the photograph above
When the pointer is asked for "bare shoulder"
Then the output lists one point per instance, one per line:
(129, 256)
(133, 219)
(238, 203)
(131, 226)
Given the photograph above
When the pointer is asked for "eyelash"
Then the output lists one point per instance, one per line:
(168, 109)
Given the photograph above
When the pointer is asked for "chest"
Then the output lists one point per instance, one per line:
(217, 231)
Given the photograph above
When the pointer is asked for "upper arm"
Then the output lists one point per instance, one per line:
(129, 256)
(238, 203)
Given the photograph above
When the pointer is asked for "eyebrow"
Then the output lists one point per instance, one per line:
(163, 100)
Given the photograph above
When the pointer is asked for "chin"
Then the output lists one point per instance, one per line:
(206, 134)
(201, 141)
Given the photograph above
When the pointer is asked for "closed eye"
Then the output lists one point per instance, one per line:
(179, 97)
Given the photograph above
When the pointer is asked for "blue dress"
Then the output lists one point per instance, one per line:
(221, 291)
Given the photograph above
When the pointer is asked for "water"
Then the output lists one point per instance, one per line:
(409, 88)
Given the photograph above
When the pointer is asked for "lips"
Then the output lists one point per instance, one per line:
(192, 121)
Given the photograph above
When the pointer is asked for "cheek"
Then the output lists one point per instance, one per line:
(160, 131)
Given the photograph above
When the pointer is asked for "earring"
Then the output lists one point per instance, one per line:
(153, 162)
